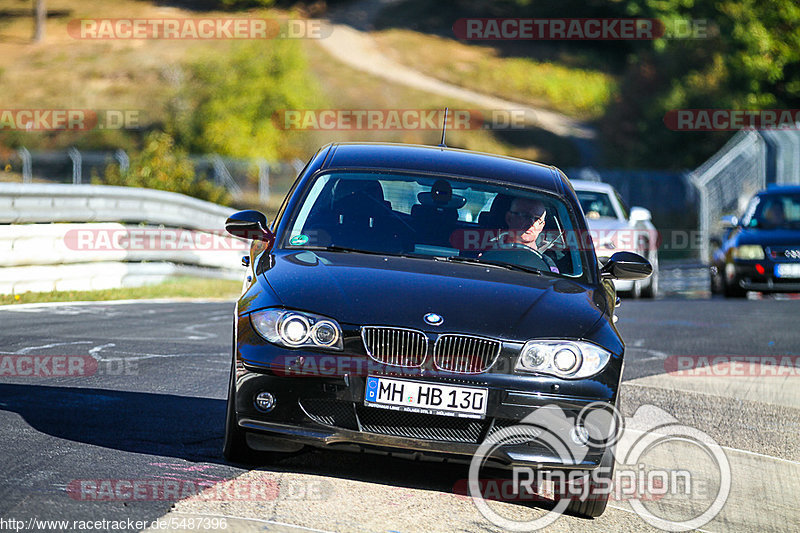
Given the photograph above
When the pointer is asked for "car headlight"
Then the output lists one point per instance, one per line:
(565, 359)
(295, 329)
(748, 251)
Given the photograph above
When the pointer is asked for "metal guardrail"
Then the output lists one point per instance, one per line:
(40, 251)
(25, 203)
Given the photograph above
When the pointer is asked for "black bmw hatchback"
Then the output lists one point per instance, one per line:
(416, 299)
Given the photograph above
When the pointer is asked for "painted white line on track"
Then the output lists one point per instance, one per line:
(23, 307)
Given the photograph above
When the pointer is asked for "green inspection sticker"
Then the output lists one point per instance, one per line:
(298, 240)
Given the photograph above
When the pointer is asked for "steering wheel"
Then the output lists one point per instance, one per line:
(518, 254)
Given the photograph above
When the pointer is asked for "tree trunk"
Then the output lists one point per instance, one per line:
(41, 18)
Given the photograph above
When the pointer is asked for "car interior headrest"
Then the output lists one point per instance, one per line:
(441, 196)
(345, 188)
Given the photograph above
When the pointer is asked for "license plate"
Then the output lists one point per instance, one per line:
(790, 270)
(425, 397)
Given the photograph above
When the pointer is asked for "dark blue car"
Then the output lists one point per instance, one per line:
(761, 251)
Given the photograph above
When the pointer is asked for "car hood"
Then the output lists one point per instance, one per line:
(605, 231)
(362, 289)
(606, 224)
(769, 237)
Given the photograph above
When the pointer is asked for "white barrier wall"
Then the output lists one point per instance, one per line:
(165, 234)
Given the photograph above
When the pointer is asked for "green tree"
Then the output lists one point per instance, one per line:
(161, 165)
(749, 59)
(229, 104)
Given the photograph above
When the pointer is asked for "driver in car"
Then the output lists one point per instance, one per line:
(525, 219)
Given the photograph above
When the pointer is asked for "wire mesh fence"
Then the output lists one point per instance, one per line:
(727, 181)
(242, 178)
(783, 156)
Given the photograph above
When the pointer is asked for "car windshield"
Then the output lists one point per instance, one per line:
(774, 211)
(438, 218)
(596, 204)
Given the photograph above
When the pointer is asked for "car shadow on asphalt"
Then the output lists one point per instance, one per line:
(191, 428)
(158, 424)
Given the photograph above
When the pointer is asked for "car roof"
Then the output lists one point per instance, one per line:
(443, 160)
(780, 189)
(596, 186)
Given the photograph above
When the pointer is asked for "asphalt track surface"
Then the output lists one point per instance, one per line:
(154, 410)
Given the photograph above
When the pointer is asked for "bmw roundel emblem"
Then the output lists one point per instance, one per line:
(433, 319)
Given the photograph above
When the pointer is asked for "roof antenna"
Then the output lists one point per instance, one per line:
(444, 129)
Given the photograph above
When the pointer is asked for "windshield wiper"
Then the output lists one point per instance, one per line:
(344, 249)
(501, 264)
(331, 249)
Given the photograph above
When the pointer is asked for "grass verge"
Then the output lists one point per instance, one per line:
(578, 92)
(177, 288)
(348, 88)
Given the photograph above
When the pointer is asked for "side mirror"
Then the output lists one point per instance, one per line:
(251, 225)
(729, 222)
(627, 266)
(640, 214)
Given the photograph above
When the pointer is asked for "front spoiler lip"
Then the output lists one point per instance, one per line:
(745, 273)
(769, 286)
(323, 437)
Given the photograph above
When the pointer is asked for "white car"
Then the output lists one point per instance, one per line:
(614, 228)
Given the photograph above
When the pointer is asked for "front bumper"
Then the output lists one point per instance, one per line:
(328, 411)
(748, 276)
(330, 414)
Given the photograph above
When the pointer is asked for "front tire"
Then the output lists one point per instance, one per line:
(651, 290)
(636, 290)
(598, 493)
(234, 447)
(732, 289)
